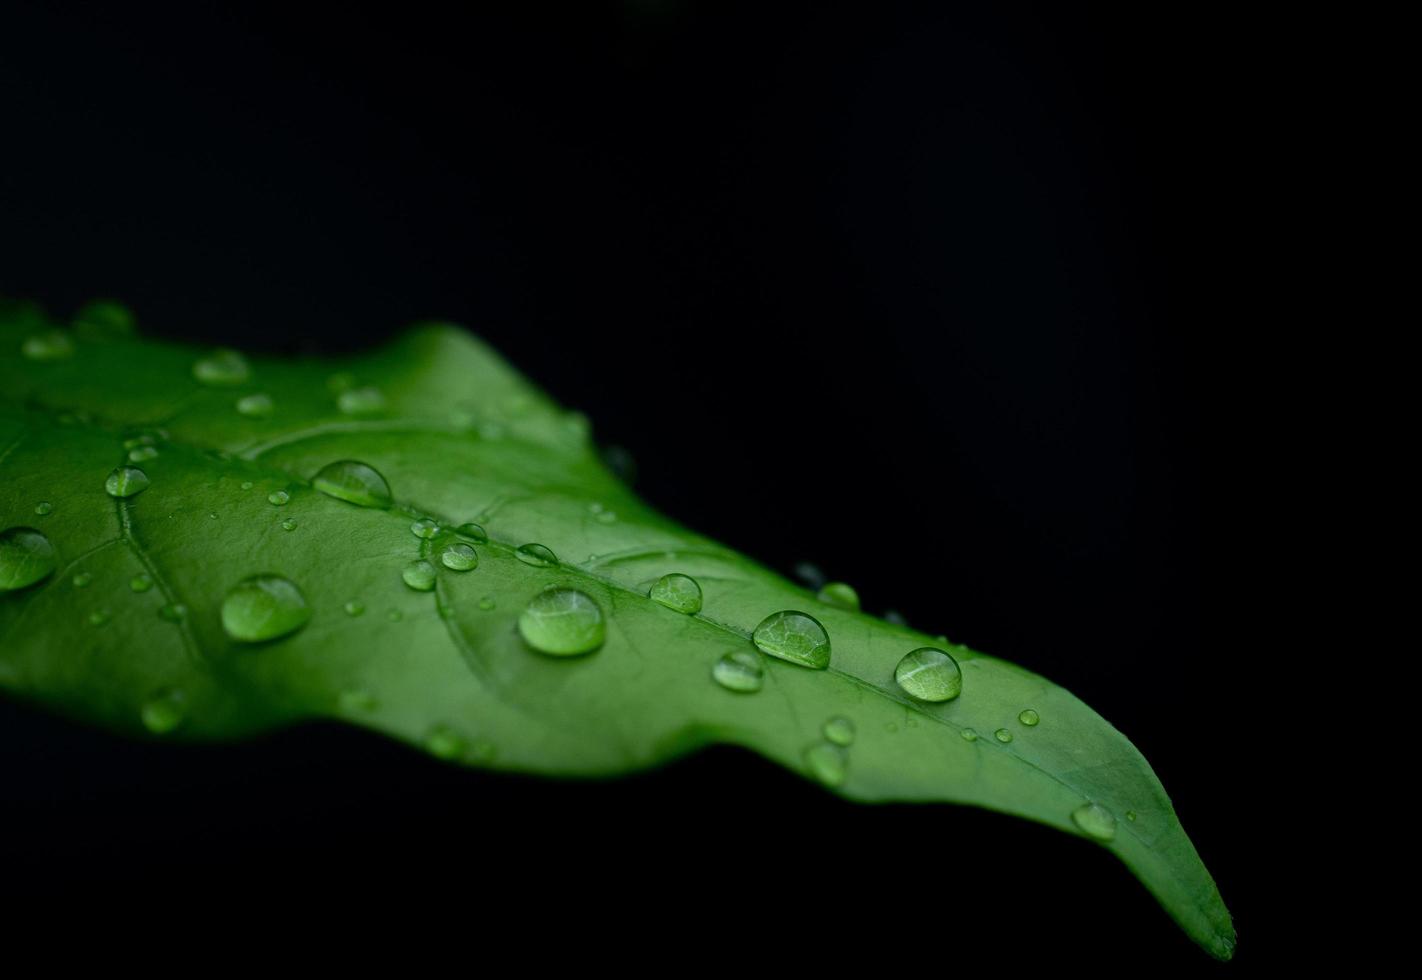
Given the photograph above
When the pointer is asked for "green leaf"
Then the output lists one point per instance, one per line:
(217, 592)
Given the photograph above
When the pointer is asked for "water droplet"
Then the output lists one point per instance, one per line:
(419, 575)
(620, 461)
(562, 622)
(486, 603)
(1029, 717)
(141, 454)
(444, 742)
(44, 508)
(841, 595)
(895, 617)
(141, 582)
(263, 607)
(1002, 735)
(472, 532)
(969, 735)
(173, 612)
(828, 763)
(82, 579)
(104, 319)
(394, 615)
(1131, 815)
(247, 484)
(929, 675)
(26, 556)
(810, 573)
(424, 528)
(794, 636)
(288, 525)
(839, 730)
(212, 516)
(354, 482)
(354, 608)
(258, 406)
(51, 345)
(677, 591)
(126, 481)
(1095, 821)
(357, 701)
(459, 557)
(537, 555)
(740, 671)
(163, 712)
(222, 368)
(360, 401)
(278, 497)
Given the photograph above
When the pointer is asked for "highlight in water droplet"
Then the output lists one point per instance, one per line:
(677, 591)
(264, 607)
(929, 674)
(537, 555)
(459, 557)
(562, 623)
(794, 636)
(126, 481)
(354, 482)
(1095, 821)
(50, 345)
(419, 575)
(740, 671)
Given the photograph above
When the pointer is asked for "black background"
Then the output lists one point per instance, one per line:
(980, 266)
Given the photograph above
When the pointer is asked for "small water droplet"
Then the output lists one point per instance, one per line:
(740, 671)
(444, 743)
(258, 406)
(1002, 735)
(537, 555)
(486, 603)
(929, 675)
(279, 497)
(677, 591)
(222, 368)
(828, 763)
(212, 516)
(969, 735)
(50, 345)
(44, 508)
(839, 730)
(354, 482)
(1131, 815)
(1095, 821)
(263, 607)
(141, 582)
(163, 712)
(286, 525)
(173, 612)
(126, 481)
(99, 617)
(142, 439)
(141, 454)
(841, 595)
(810, 573)
(357, 701)
(620, 461)
(247, 484)
(562, 623)
(82, 579)
(104, 319)
(394, 615)
(1029, 717)
(339, 382)
(361, 401)
(895, 617)
(354, 608)
(472, 532)
(606, 517)
(419, 575)
(424, 528)
(794, 636)
(459, 557)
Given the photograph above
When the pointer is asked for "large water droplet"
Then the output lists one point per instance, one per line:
(361, 401)
(459, 557)
(26, 556)
(473, 532)
(263, 607)
(1095, 821)
(419, 575)
(828, 763)
(677, 591)
(163, 712)
(740, 671)
(537, 555)
(929, 675)
(839, 730)
(424, 528)
(126, 481)
(840, 595)
(222, 368)
(1029, 717)
(258, 406)
(794, 636)
(354, 482)
(562, 622)
(51, 345)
